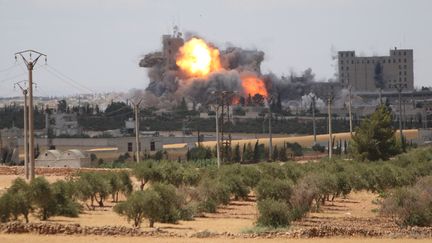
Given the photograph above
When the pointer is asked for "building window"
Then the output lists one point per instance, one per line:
(405, 79)
(405, 60)
(400, 72)
(405, 72)
(152, 146)
(384, 61)
(399, 60)
(405, 66)
(341, 62)
(400, 66)
(352, 62)
(129, 147)
(367, 61)
(404, 53)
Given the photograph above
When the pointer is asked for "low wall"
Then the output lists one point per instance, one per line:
(47, 171)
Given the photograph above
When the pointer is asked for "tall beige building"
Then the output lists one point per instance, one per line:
(371, 73)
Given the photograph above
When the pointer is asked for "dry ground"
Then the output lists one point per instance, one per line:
(307, 140)
(4, 238)
(357, 210)
(235, 217)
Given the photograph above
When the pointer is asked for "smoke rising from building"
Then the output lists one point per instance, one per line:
(173, 74)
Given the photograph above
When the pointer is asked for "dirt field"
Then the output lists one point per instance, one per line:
(4, 238)
(306, 141)
(357, 211)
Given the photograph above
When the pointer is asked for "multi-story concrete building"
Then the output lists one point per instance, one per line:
(377, 72)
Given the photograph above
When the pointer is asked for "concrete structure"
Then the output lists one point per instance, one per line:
(368, 73)
(65, 124)
(72, 158)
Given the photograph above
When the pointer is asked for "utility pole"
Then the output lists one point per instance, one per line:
(26, 151)
(399, 88)
(137, 142)
(30, 65)
(217, 136)
(350, 109)
(330, 147)
(221, 98)
(313, 118)
(270, 134)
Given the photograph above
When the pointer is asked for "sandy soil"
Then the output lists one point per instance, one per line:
(357, 210)
(4, 238)
(306, 141)
(235, 217)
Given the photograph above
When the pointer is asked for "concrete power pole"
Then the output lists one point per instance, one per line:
(330, 147)
(270, 135)
(137, 142)
(399, 88)
(30, 65)
(350, 111)
(26, 151)
(313, 118)
(217, 136)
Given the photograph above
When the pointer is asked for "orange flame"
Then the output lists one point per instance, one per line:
(253, 85)
(197, 59)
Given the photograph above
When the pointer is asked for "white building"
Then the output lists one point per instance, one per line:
(72, 158)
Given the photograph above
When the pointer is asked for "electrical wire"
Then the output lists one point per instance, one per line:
(64, 80)
(8, 68)
(69, 78)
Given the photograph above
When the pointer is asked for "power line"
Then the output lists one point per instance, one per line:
(64, 80)
(8, 68)
(70, 79)
(11, 78)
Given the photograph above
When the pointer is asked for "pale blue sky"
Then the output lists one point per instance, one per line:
(99, 43)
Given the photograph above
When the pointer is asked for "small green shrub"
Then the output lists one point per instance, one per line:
(275, 189)
(273, 213)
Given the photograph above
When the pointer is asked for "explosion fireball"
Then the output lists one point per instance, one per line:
(197, 59)
(253, 85)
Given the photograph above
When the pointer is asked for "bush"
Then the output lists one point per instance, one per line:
(295, 148)
(119, 182)
(211, 193)
(318, 148)
(273, 213)
(93, 186)
(199, 153)
(42, 196)
(146, 171)
(275, 189)
(63, 193)
(140, 205)
(170, 204)
(230, 175)
(20, 202)
(411, 205)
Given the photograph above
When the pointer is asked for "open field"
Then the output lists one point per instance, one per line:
(94, 239)
(307, 141)
(354, 211)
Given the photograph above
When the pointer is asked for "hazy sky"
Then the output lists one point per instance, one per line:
(98, 44)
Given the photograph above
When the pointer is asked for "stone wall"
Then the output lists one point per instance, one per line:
(50, 171)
